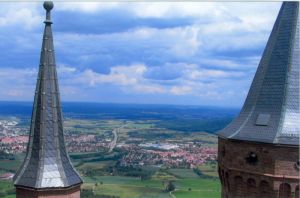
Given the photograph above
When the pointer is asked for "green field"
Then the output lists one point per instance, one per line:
(209, 170)
(189, 186)
(187, 183)
(182, 173)
(196, 194)
(102, 177)
(9, 165)
(7, 189)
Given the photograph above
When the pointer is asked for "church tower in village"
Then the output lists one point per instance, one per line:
(259, 151)
(47, 170)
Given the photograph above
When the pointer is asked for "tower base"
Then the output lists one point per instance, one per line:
(72, 192)
(258, 170)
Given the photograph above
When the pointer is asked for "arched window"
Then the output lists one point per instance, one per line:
(238, 183)
(284, 190)
(251, 187)
(297, 192)
(264, 189)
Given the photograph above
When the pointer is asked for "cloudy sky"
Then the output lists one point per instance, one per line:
(163, 53)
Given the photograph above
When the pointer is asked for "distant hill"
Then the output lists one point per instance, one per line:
(175, 117)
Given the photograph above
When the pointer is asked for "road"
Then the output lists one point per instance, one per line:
(113, 143)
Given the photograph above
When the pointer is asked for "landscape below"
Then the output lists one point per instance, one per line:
(127, 151)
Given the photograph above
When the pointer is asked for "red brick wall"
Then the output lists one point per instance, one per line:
(73, 192)
(275, 165)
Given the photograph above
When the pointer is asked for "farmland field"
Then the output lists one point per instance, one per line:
(187, 186)
(89, 130)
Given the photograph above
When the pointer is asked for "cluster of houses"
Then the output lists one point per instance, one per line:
(173, 156)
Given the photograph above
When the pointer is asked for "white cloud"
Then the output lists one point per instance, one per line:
(222, 63)
(181, 9)
(181, 90)
(191, 79)
(187, 43)
(62, 68)
(189, 48)
(23, 14)
(128, 77)
(18, 74)
(146, 9)
(179, 42)
(151, 88)
(88, 7)
(17, 84)
(215, 10)
(120, 75)
(209, 74)
(15, 93)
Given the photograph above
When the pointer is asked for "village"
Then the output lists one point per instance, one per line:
(135, 152)
(186, 155)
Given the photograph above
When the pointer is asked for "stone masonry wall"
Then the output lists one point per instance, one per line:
(257, 170)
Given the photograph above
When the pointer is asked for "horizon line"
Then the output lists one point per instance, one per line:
(131, 103)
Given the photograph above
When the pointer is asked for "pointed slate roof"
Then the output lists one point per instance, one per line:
(271, 112)
(47, 164)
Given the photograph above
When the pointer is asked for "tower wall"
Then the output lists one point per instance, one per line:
(248, 169)
(73, 192)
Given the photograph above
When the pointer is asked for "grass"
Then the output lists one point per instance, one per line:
(10, 196)
(163, 175)
(208, 169)
(6, 189)
(187, 183)
(96, 165)
(132, 187)
(122, 180)
(200, 184)
(10, 165)
(182, 173)
(138, 125)
(196, 194)
(129, 191)
(6, 184)
(91, 126)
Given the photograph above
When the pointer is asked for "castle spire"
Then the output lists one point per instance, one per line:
(258, 153)
(46, 165)
(271, 112)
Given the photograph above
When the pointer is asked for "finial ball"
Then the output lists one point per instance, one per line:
(48, 5)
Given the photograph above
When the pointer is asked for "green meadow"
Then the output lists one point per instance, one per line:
(187, 184)
(103, 178)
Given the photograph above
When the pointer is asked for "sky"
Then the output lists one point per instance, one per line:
(192, 53)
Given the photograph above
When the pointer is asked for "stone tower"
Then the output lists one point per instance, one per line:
(47, 170)
(259, 151)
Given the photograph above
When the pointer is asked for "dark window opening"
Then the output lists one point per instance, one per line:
(252, 158)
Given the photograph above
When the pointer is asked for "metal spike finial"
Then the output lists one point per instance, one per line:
(48, 5)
